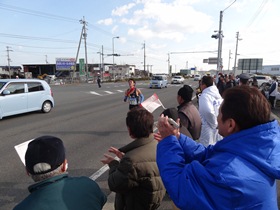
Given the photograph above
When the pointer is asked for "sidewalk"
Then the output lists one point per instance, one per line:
(165, 204)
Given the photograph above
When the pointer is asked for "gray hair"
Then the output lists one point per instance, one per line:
(41, 167)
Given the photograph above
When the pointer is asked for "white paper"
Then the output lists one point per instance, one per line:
(21, 150)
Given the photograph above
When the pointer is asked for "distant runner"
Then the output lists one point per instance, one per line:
(133, 94)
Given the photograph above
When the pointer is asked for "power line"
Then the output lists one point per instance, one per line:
(257, 13)
(35, 13)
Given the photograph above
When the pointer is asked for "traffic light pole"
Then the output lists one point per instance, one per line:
(220, 43)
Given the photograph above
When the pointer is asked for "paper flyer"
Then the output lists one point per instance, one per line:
(21, 150)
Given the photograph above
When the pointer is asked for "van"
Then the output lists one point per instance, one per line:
(19, 96)
(158, 81)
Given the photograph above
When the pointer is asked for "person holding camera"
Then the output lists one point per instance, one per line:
(238, 172)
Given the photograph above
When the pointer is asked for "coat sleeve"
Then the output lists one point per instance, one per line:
(180, 167)
(122, 175)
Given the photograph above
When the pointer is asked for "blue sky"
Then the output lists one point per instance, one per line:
(36, 31)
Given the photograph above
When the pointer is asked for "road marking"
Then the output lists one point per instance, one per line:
(98, 173)
(109, 92)
(101, 171)
(95, 93)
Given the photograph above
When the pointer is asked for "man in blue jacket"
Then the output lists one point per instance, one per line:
(46, 164)
(238, 172)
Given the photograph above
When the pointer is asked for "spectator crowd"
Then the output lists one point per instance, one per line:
(222, 153)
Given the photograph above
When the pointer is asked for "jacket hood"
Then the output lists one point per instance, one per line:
(213, 91)
(259, 145)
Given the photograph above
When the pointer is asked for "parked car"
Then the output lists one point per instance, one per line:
(19, 96)
(197, 77)
(262, 79)
(177, 80)
(158, 81)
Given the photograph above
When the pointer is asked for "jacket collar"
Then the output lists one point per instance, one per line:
(46, 182)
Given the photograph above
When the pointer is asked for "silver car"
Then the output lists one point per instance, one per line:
(19, 96)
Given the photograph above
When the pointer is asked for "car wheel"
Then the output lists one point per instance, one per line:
(46, 107)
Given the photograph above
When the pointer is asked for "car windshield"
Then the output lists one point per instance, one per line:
(2, 84)
(260, 77)
(157, 78)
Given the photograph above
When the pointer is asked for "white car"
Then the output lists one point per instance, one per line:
(177, 80)
(24, 95)
(158, 81)
(197, 77)
(263, 79)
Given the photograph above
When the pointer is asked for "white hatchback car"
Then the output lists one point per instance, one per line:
(158, 81)
(197, 77)
(19, 96)
(177, 80)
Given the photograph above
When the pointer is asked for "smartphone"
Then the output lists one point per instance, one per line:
(173, 123)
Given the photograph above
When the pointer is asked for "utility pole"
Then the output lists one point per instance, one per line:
(102, 66)
(220, 36)
(9, 60)
(85, 41)
(77, 54)
(220, 43)
(144, 47)
(113, 46)
(237, 39)
(46, 59)
(168, 64)
(229, 57)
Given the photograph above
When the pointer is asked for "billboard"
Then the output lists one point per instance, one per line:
(252, 64)
(65, 64)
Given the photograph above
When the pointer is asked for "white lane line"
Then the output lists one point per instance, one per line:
(120, 91)
(98, 173)
(95, 93)
(101, 171)
(109, 92)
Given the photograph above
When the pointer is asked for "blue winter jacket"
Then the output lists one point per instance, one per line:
(238, 172)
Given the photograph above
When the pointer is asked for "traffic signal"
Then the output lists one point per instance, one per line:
(216, 36)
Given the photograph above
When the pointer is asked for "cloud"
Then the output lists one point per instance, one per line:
(165, 21)
(108, 21)
(120, 11)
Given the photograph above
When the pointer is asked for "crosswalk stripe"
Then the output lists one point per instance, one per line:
(95, 93)
(109, 92)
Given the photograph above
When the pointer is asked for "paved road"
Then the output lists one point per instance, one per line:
(89, 119)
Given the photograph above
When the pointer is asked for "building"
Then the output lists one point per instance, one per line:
(271, 70)
(14, 71)
(106, 72)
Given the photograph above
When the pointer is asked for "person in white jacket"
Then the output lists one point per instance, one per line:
(209, 103)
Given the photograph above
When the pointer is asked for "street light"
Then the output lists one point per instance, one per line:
(116, 37)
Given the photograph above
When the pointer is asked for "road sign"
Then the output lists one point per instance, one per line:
(212, 60)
